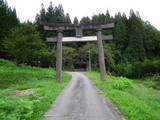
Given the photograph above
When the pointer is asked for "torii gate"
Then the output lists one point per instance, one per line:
(60, 28)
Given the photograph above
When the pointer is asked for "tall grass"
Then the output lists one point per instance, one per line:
(134, 99)
(20, 78)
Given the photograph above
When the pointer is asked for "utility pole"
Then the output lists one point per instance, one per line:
(90, 60)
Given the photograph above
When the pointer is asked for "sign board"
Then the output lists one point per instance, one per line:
(80, 39)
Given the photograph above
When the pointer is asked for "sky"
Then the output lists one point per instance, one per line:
(149, 9)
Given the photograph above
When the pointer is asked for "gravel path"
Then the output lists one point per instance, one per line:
(80, 101)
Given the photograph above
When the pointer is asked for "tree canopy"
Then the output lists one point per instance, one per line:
(8, 20)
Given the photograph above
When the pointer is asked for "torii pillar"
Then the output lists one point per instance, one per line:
(101, 55)
(59, 56)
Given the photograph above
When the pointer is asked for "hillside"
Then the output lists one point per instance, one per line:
(40, 81)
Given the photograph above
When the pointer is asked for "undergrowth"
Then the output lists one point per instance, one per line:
(30, 107)
(134, 98)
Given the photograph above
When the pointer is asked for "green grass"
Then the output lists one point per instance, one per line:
(30, 107)
(134, 98)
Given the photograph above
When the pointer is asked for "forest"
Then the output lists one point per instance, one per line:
(133, 52)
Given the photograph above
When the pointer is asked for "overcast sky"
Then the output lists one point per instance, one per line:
(148, 9)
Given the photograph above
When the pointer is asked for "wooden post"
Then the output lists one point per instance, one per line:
(101, 55)
(59, 57)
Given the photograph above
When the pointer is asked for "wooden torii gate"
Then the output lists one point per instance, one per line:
(60, 28)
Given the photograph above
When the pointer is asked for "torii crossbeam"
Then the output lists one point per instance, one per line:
(79, 38)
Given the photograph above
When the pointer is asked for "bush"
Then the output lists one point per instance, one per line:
(138, 69)
(156, 78)
(6, 63)
(15, 109)
(122, 84)
(127, 70)
(119, 69)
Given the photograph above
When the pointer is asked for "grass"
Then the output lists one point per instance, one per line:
(135, 99)
(30, 107)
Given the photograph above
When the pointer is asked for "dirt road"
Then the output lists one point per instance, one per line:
(80, 101)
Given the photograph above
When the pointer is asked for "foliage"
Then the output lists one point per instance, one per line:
(151, 40)
(10, 75)
(110, 56)
(138, 69)
(6, 63)
(139, 102)
(153, 81)
(75, 21)
(135, 50)
(8, 20)
(156, 78)
(134, 41)
(21, 78)
(52, 14)
(122, 84)
(93, 51)
(15, 108)
(68, 57)
(24, 44)
(48, 58)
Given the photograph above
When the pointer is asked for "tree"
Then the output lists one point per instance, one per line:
(134, 40)
(50, 14)
(109, 56)
(42, 16)
(85, 20)
(120, 35)
(95, 18)
(83, 52)
(67, 19)
(69, 55)
(48, 58)
(24, 44)
(108, 17)
(151, 40)
(135, 50)
(8, 20)
(76, 21)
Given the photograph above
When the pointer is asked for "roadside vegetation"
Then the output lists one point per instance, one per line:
(143, 69)
(27, 107)
(135, 99)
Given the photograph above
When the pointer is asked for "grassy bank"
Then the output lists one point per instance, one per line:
(30, 107)
(135, 99)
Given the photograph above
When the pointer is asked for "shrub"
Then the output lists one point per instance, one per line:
(15, 109)
(138, 69)
(150, 67)
(119, 69)
(122, 84)
(156, 78)
(127, 70)
(6, 63)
